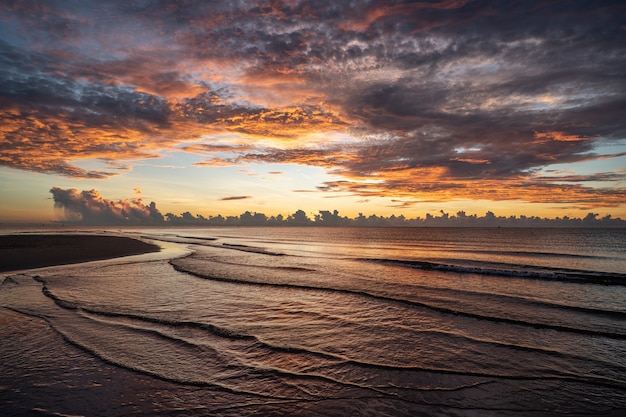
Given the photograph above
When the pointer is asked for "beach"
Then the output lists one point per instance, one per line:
(320, 321)
(27, 251)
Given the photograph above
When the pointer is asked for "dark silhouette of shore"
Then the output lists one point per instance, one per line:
(35, 251)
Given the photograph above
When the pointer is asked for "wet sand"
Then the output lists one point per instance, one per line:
(19, 252)
(42, 375)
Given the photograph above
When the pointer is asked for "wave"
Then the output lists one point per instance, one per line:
(198, 238)
(210, 242)
(328, 374)
(619, 315)
(348, 381)
(324, 359)
(453, 248)
(331, 326)
(252, 249)
(230, 362)
(510, 270)
(245, 364)
(336, 365)
(461, 266)
(534, 254)
(380, 297)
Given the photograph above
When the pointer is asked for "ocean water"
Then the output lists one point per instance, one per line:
(324, 322)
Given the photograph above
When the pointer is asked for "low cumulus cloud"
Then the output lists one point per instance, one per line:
(89, 207)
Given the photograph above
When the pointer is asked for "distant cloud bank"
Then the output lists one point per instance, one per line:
(90, 208)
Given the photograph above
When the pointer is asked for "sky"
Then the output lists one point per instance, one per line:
(362, 106)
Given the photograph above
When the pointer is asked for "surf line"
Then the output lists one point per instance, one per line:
(444, 310)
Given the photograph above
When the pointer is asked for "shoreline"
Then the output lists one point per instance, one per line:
(20, 252)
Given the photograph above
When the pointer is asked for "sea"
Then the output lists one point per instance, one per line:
(322, 321)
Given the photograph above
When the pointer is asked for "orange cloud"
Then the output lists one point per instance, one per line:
(40, 142)
(286, 124)
(559, 136)
(130, 125)
(445, 190)
(362, 177)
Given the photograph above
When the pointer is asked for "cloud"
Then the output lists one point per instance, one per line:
(378, 170)
(286, 124)
(237, 197)
(432, 100)
(401, 203)
(89, 207)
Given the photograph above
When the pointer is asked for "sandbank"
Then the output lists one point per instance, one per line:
(29, 251)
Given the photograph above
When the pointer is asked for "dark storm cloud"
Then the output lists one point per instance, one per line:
(433, 93)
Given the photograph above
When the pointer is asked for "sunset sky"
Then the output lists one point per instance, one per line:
(363, 106)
